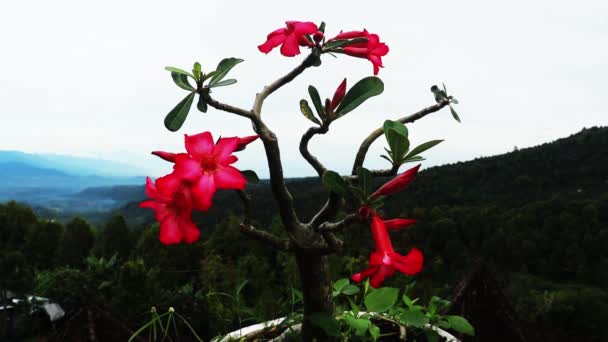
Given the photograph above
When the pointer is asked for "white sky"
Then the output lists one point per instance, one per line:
(86, 78)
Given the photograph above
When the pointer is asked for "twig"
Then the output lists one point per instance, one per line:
(251, 231)
(274, 86)
(312, 160)
(333, 227)
(362, 152)
(226, 107)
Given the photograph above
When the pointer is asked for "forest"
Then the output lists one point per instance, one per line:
(537, 216)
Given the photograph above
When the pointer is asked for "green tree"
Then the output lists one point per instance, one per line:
(76, 243)
(41, 244)
(114, 238)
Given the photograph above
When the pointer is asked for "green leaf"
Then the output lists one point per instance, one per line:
(196, 71)
(414, 318)
(241, 285)
(382, 299)
(396, 126)
(365, 180)
(340, 284)
(413, 159)
(334, 182)
(176, 117)
(454, 114)
(350, 290)
(359, 324)
(322, 27)
(374, 331)
(431, 335)
(399, 145)
(326, 322)
(461, 325)
(223, 68)
(354, 307)
(201, 104)
(250, 176)
(361, 91)
(454, 101)
(316, 101)
(179, 71)
(182, 81)
(334, 44)
(222, 83)
(440, 95)
(422, 147)
(209, 75)
(305, 109)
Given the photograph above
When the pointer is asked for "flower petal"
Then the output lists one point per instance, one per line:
(290, 47)
(409, 264)
(203, 190)
(244, 141)
(186, 168)
(358, 277)
(272, 42)
(350, 35)
(380, 275)
(161, 210)
(301, 28)
(151, 190)
(168, 156)
(189, 230)
(168, 185)
(397, 224)
(224, 148)
(380, 235)
(398, 183)
(228, 177)
(169, 231)
(199, 145)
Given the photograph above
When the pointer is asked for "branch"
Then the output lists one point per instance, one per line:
(275, 241)
(226, 107)
(333, 227)
(271, 88)
(312, 160)
(251, 231)
(360, 158)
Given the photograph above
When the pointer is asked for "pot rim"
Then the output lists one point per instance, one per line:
(256, 327)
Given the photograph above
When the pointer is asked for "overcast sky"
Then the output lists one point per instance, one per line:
(86, 78)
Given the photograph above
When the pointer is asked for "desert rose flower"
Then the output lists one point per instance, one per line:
(384, 260)
(171, 201)
(290, 38)
(207, 168)
(168, 156)
(398, 183)
(372, 50)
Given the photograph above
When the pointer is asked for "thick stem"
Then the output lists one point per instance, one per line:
(316, 288)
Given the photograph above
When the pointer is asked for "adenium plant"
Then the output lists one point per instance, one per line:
(206, 166)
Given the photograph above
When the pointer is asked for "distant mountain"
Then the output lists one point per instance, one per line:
(576, 166)
(50, 181)
(71, 165)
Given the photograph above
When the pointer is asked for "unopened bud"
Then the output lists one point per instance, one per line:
(317, 37)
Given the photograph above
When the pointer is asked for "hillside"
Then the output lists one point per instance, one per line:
(576, 166)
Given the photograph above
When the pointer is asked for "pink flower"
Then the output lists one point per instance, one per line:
(384, 260)
(373, 49)
(338, 95)
(207, 168)
(290, 38)
(398, 183)
(172, 204)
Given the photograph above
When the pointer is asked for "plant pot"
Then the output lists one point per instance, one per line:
(252, 330)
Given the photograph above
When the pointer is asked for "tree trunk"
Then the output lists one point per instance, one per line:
(316, 288)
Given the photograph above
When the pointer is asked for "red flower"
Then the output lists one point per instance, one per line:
(398, 183)
(373, 49)
(207, 168)
(384, 260)
(168, 156)
(338, 95)
(172, 203)
(291, 38)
